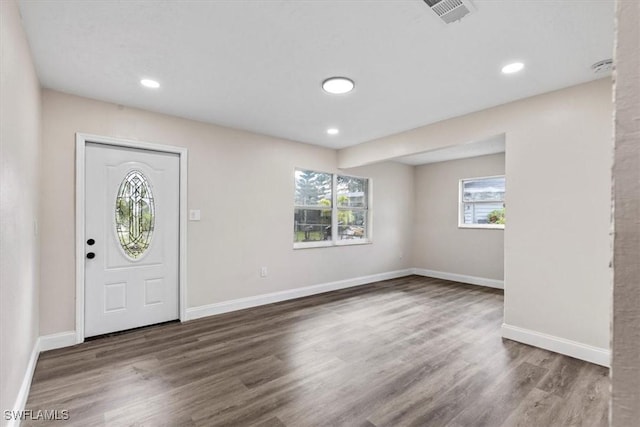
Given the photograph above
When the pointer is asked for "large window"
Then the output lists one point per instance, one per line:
(330, 209)
(482, 202)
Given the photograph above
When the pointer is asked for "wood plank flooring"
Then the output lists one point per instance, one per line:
(412, 351)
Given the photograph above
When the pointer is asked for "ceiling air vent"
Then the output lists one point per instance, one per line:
(450, 10)
(602, 67)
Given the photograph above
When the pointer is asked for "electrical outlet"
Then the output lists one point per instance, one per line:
(194, 215)
(263, 272)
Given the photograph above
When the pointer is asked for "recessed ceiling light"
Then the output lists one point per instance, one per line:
(512, 68)
(150, 83)
(333, 131)
(338, 85)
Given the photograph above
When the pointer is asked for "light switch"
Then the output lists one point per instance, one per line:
(194, 215)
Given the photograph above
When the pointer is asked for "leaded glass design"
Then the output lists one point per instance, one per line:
(135, 214)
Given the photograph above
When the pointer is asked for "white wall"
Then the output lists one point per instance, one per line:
(242, 183)
(557, 248)
(19, 175)
(438, 243)
(625, 372)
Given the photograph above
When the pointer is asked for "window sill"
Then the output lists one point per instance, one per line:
(331, 244)
(483, 226)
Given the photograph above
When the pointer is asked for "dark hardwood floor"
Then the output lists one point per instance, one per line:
(406, 352)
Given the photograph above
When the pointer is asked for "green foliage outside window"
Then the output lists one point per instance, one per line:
(496, 216)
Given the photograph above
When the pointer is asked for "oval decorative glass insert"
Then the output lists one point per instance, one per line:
(135, 214)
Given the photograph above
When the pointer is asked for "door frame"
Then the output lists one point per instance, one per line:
(81, 141)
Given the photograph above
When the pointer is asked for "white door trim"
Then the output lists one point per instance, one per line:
(81, 140)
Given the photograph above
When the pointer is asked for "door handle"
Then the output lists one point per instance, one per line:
(91, 255)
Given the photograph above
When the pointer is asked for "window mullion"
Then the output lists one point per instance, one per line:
(309, 214)
(334, 208)
(483, 201)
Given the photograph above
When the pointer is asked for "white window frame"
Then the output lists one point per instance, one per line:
(461, 223)
(335, 241)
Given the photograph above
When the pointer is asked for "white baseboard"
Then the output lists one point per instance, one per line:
(473, 280)
(23, 393)
(254, 301)
(43, 343)
(59, 340)
(597, 355)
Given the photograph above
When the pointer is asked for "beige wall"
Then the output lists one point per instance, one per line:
(557, 248)
(625, 407)
(19, 166)
(557, 245)
(438, 243)
(556, 255)
(243, 185)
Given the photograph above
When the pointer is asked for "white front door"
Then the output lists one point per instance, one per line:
(132, 245)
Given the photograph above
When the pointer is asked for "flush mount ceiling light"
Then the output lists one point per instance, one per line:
(512, 68)
(333, 131)
(338, 85)
(150, 83)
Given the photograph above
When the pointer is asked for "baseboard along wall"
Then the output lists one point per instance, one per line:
(42, 343)
(59, 340)
(254, 301)
(473, 280)
(23, 393)
(597, 355)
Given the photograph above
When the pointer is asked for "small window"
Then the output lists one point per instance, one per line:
(482, 202)
(330, 209)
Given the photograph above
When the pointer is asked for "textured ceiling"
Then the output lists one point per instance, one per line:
(258, 65)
